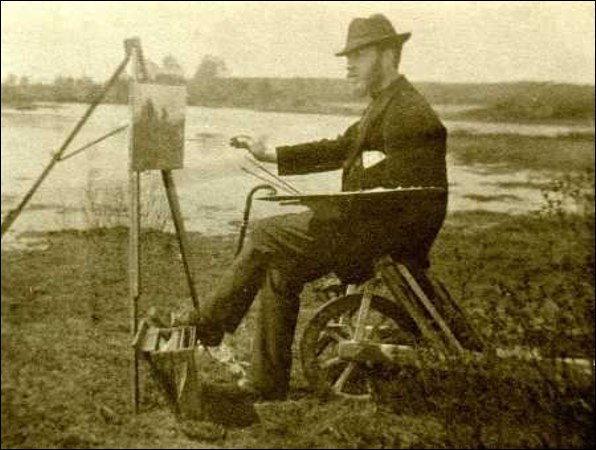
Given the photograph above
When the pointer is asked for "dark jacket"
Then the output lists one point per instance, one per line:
(401, 124)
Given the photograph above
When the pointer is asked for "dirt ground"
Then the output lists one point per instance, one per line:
(66, 354)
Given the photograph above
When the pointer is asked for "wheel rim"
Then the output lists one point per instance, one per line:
(334, 323)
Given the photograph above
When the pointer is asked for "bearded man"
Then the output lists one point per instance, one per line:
(285, 252)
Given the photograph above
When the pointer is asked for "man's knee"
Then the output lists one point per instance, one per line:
(285, 235)
(285, 282)
(263, 232)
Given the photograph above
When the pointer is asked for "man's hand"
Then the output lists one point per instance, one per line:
(258, 148)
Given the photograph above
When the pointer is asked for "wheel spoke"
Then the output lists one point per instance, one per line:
(331, 362)
(328, 338)
(323, 345)
(344, 377)
(336, 323)
(369, 386)
(378, 326)
(347, 322)
(334, 335)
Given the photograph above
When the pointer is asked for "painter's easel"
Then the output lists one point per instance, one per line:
(134, 53)
(141, 75)
(60, 155)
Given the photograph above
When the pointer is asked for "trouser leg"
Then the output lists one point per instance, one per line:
(281, 255)
(283, 238)
(236, 290)
(301, 250)
(272, 346)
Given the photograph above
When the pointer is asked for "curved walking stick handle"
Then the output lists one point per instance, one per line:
(247, 210)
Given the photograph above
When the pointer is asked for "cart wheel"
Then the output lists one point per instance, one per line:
(334, 322)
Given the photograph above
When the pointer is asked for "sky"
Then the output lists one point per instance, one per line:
(464, 41)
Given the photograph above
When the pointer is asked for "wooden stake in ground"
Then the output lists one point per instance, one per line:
(134, 244)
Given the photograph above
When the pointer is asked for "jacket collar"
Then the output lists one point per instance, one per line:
(372, 113)
(395, 85)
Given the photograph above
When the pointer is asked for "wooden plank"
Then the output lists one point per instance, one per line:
(362, 352)
(513, 362)
(426, 302)
(152, 340)
(392, 279)
(364, 310)
(457, 319)
(159, 369)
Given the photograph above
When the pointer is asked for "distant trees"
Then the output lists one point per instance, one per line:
(170, 72)
(265, 93)
(11, 80)
(207, 85)
(62, 90)
(15, 90)
(210, 85)
(210, 68)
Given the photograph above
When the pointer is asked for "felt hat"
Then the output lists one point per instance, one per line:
(373, 30)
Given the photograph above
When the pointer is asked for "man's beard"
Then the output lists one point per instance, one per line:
(372, 82)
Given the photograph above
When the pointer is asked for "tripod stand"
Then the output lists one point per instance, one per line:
(133, 54)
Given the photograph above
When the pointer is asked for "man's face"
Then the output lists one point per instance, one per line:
(365, 70)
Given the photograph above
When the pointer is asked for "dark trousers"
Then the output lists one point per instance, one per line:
(282, 254)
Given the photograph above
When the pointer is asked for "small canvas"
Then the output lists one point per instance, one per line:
(159, 116)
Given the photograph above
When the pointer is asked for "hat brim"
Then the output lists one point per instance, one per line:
(398, 39)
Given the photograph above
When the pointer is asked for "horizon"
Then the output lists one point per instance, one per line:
(511, 42)
(34, 81)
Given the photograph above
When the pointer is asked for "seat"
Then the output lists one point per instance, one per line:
(384, 320)
(425, 300)
(430, 305)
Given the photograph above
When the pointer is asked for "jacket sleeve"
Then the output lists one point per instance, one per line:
(414, 142)
(320, 156)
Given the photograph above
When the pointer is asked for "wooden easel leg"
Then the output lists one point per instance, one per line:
(13, 215)
(174, 202)
(135, 276)
(134, 262)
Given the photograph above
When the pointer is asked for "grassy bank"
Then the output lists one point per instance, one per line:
(524, 281)
(512, 152)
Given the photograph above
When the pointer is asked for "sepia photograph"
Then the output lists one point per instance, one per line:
(308, 224)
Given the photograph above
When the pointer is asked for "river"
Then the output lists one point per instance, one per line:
(90, 189)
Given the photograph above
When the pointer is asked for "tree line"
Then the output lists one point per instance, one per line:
(211, 85)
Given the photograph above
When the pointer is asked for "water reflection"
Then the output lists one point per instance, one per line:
(212, 187)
